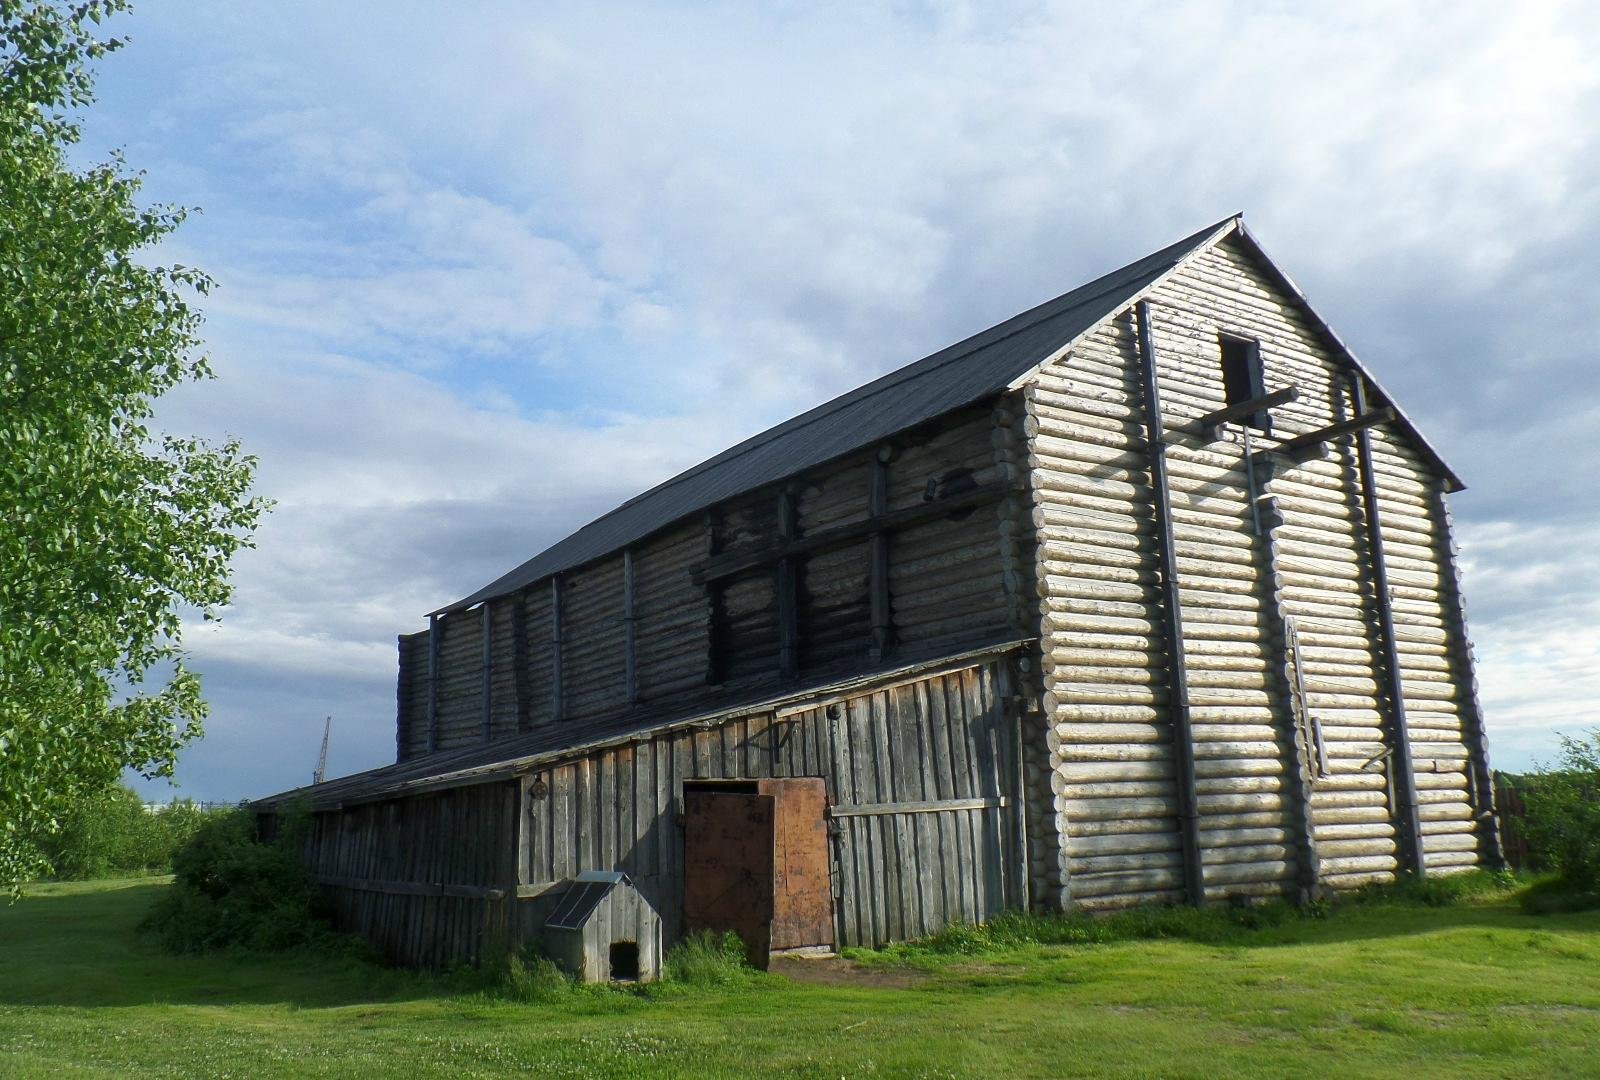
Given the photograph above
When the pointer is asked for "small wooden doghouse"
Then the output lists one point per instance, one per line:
(602, 930)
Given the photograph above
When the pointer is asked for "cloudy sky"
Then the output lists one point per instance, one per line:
(487, 270)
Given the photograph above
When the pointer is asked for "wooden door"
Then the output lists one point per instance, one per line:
(728, 866)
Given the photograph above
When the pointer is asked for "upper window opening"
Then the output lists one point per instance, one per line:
(1242, 378)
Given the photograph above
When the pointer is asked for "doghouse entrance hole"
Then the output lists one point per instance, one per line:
(625, 961)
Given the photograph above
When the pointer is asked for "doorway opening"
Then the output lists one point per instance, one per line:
(624, 961)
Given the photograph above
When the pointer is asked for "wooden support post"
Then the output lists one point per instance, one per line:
(788, 588)
(1177, 669)
(715, 652)
(488, 671)
(1491, 845)
(433, 682)
(1408, 823)
(878, 571)
(519, 660)
(558, 699)
(630, 656)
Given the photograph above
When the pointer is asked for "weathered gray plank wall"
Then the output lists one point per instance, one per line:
(415, 876)
(921, 774)
(897, 875)
(696, 643)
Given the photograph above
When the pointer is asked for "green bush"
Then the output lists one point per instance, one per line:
(708, 959)
(230, 891)
(111, 833)
(1563, 815)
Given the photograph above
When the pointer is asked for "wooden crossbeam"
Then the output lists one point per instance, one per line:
(1211, 423)
(739, 562)
(1302, 445)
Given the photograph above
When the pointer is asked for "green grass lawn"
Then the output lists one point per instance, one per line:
(1478, 989)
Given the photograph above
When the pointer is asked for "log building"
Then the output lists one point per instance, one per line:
(1147, 594)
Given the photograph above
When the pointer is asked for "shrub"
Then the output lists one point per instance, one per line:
(1563, 815)
(230, 891)
(111, 833)
(708, 959)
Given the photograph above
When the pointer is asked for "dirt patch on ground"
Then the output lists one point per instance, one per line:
(837, 971)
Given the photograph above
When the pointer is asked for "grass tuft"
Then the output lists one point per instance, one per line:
(1222, 924)
(708, 960)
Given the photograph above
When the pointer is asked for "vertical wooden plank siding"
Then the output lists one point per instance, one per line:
(1172, 622)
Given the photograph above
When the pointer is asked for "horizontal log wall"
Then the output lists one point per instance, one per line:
(1441, 708)
(1108, 718)
(1114, 796)
(411, 693)
(895, 875)
(1325, 577)
(428, 880)
(945, 586)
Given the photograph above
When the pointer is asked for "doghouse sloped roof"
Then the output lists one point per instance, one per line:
(962, 374)
(503, 758)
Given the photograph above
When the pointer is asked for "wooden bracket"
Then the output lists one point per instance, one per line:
(1211, 423)
(1302, 448)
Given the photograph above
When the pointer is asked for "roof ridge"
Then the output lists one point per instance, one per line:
(898, 375)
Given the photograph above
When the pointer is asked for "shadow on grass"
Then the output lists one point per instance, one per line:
(70, 946)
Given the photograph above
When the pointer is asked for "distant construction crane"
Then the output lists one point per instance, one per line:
(322, 758)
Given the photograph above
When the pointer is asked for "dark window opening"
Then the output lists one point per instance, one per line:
(625, 961)
(1242, 377)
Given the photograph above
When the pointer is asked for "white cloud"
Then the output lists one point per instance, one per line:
(498, 268)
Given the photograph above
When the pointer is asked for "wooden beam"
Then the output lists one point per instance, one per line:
(630, 653)
(878, 556)
(1491, 842)
(931, 806)
(1211, 423)
(1172, 624)
(739, 562)
(1301, 444)
(519, 659)
(433, 682)
(1408, 821)
(786, 584)
(411, 888)
(558, 699)
(488, 670)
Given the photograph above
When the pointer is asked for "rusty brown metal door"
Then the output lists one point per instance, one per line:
(802, 887)
(728, 866)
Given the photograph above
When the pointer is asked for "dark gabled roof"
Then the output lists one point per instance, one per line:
(962, 374)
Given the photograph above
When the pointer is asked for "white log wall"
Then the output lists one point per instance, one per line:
(1108, 722)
